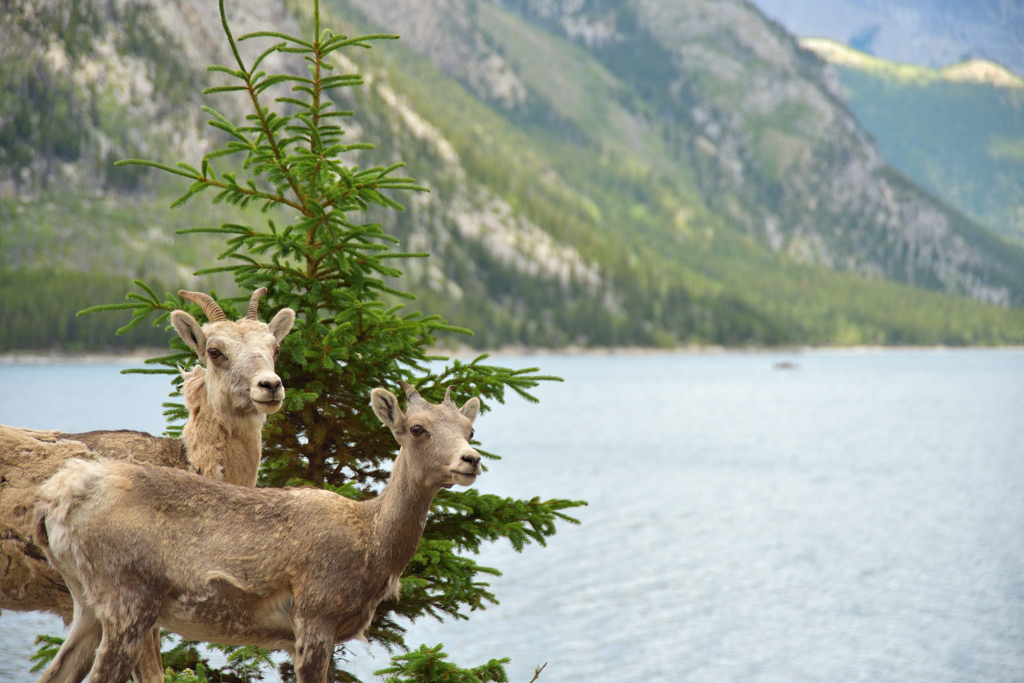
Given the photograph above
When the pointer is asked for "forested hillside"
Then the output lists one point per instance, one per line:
(704, 185)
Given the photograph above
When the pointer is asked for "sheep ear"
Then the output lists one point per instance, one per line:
(190, 331)
(385, 405)
(282, 323)
(471, 408)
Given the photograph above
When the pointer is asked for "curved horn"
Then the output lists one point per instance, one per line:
(210, 307)
(448, 397)
(254, 303)
(410, 391)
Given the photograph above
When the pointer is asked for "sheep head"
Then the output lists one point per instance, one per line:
(239, 355)
(434, 438)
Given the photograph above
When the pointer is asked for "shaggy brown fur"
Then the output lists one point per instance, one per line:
(226, 449)
(28, 458)
(222, 439)
(293, 569)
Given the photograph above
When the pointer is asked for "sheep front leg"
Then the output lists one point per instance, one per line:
(119, 651)
(128, 622)
(150, 668)
(314, 648)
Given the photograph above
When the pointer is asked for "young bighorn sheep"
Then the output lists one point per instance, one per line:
(228, 401)
(294, 569)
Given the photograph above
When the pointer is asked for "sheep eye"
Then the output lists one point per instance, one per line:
(417, 430)
(214, 353)
(471, 433)
(277, 352)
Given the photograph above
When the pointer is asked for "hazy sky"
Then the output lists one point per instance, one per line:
(927, 32)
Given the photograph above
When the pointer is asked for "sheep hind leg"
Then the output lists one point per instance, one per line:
(75, 657)
(150, 668)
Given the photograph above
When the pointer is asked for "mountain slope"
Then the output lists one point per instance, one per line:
(570, 202)
(775, 147)
(957, 131)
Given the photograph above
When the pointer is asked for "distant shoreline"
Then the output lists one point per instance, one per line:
(698, 350)
(463, 353)
(85, 358)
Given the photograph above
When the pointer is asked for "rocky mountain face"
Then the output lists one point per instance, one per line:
(87, 82)
(957, 131)
(82, 85)
(933, 33)
(600, 172)
(93, 82)
(758, 120)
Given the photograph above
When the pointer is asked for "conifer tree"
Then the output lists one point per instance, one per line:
(290, 152)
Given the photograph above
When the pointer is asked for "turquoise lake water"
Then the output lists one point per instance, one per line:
(857, 518)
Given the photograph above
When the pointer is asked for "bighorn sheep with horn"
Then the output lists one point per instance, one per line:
(228, 401)
(296, 569)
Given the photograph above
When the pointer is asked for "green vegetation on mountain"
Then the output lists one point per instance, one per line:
(581, 192)
(958, 131)
(38, 312)
(776, 153)
(65, 107)
(635, 211)
(963, 141)
(61, 252)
